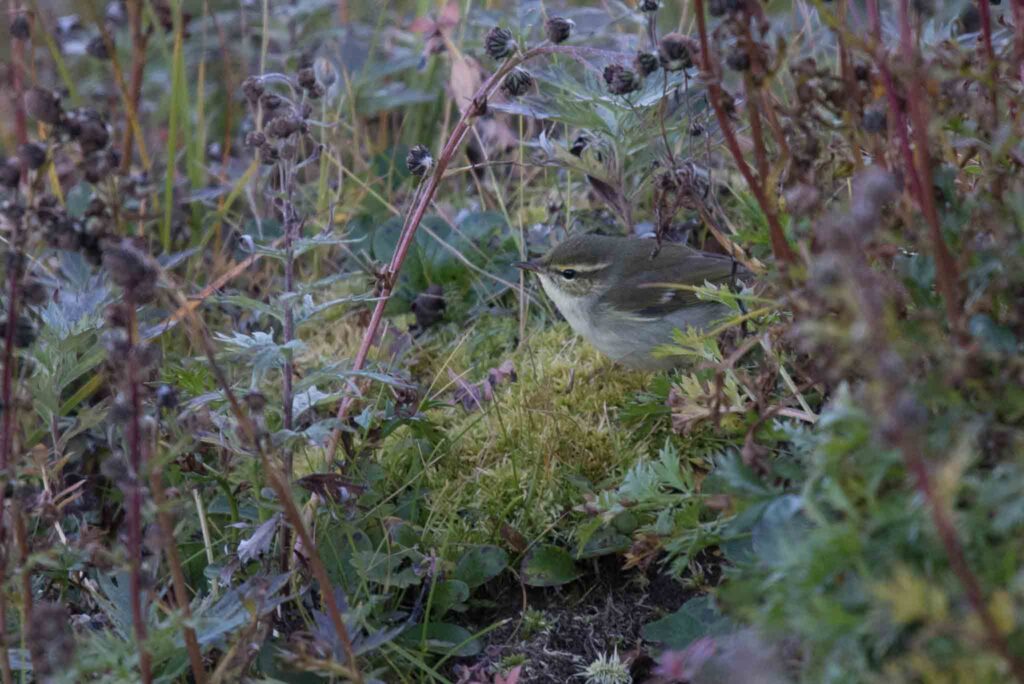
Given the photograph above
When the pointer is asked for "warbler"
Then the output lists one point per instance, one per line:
(622, 296)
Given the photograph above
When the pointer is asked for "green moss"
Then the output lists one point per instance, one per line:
(524, 460)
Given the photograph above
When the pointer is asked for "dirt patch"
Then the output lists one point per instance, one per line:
(560, 631)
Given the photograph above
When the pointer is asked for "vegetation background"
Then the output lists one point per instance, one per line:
(276, 407)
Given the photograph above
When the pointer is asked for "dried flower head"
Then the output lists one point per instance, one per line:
(283, 126)
(255, 139)
(20, 28)
(253, 87)
(620, 80)
(648, 5)
(43, 105)
(677, 51)
(306, 78)
(558, 29)
(738, 59)
(646, 63)
(24, 331)
(418, 161)
(32, 155)
(131, 268)
(517, 83)
(874, 121)
(10, 173)
(88, 128)
(97, 47)
(499, 43)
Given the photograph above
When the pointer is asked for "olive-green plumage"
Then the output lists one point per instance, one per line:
(620, 293)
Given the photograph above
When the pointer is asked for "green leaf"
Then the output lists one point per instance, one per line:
(442, 638)
(481, 564)
(698, 617)
(448, 594)
(548, 566)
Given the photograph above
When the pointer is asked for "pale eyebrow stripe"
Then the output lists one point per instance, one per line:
(582, 268)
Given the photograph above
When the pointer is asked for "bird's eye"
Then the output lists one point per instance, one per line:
(568, 274)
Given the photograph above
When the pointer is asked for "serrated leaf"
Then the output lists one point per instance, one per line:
(259, 543)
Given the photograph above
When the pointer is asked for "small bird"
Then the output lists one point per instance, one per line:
(621, 294)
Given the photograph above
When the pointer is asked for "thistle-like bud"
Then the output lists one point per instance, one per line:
(646, 63)
(517, 83)
(620, 80)
(648, 5)
(677, 51)
(499, 43)
(283, 126)
(559, 29)
(419, 161)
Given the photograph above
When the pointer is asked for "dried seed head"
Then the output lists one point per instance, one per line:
(646, 63)
(620, 80)
(253, 88)
(316, 92)
(306, 77)
(43, 105)
(677, 51)
(255, 401)
(10, 173)
(255, 139)
(97, 47)
(131, 268)
(32, 155)
(271, 102)
(648, 5)
(517, 83)
(166, 397)
(98, 165)
(20, 28)
(34, 292)
(738, 59)
(418, 161)
(559, 29)
(283, 126)
(969, 20)
(88, 128)
(499, 43)
(269, 154)
(861, 71)
(24, 331)
(874, 121)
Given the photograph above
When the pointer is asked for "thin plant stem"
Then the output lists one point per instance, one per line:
(17, 84)
(163, 517)
(139, 41)
(135, 451)
(6, 673)
(946, 271)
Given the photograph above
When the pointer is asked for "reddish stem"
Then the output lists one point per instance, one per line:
(780, 246)
(947, 275)
(17, 85)
(990, 57)
(138, 64)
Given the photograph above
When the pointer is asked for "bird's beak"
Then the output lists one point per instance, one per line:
(527, 265)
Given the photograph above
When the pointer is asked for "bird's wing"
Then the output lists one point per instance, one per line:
(649, 293)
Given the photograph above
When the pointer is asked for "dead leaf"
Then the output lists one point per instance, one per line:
(259, 542)
(437, 29)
